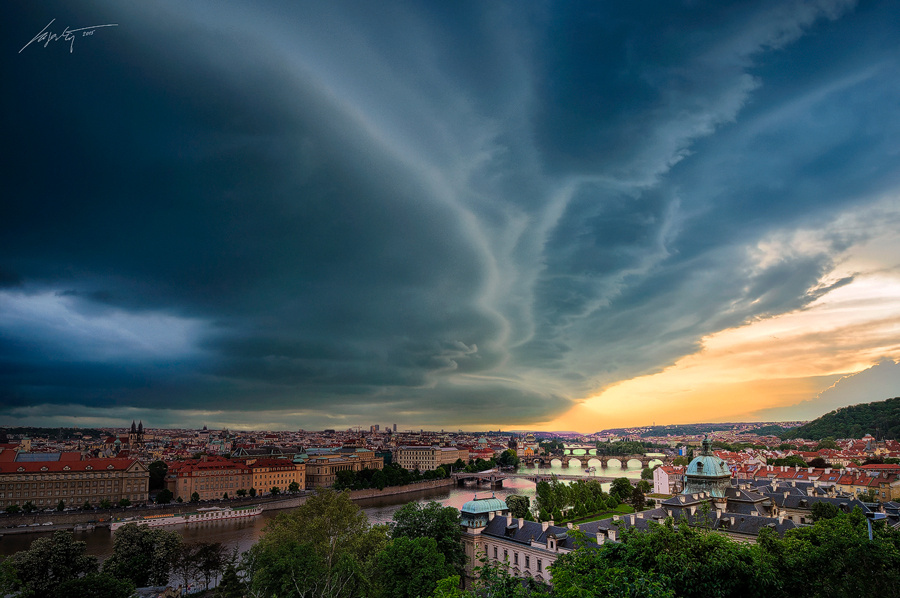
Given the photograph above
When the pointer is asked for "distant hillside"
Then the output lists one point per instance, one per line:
(770, 430)
(686, 429)
(881, 419)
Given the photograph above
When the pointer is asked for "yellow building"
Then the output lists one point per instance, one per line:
(280, 473)
(209, 477)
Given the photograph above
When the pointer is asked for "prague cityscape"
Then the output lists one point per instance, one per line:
(409, 299)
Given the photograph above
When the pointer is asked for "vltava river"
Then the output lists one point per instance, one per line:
(243, 533)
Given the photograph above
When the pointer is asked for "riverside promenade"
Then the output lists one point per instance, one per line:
(47, 521)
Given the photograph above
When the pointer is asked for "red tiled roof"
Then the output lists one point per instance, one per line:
(58, 466)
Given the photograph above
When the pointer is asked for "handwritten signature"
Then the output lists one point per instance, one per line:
(67, 35)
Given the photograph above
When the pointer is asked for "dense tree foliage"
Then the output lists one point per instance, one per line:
(158, 471)
(789, 461)
(48, 562)
(391, 475)
(880, 419)
(143, 555)
(415, 520)
(519, 506)
(557, 501)
(623, 447)
(831, 558)
(411, 567)
(508, 458)
(323, 548)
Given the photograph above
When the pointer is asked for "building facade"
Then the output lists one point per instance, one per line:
(209, 477)
(72, 480)
(427, 458)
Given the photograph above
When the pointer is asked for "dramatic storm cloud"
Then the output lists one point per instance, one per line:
(475, 214)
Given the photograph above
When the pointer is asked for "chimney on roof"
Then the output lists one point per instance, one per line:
(551, 523)
(732, 520)
(545, 525)
(521, 522)
(786, 493)
(611, 534)
(508, 520)
(491, 516)
(780, 519)
(569, 525)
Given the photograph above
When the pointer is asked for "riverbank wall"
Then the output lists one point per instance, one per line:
(43, 521)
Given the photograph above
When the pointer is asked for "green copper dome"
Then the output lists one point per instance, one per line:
(483, 505)
(707, 473)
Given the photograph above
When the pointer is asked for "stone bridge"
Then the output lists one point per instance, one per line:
(603, 459)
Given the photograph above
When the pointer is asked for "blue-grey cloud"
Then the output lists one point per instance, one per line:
(475, 213)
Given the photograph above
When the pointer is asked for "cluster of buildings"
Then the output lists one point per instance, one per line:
(711, 495)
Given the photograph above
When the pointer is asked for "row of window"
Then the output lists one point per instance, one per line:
(540, 562)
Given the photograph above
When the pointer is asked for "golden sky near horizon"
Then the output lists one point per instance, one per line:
(778, 362)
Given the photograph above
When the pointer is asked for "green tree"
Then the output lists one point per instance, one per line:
(29, 506)
(827, 443)
(519, 506)
(231, 585)
(508, 458)
(637, 499)
(164, 496)
(195, 497)
(61, 506)
(411, 567)
(124, 502)
(789, 461)
(46, 564)
(252, 492)
(680, 461)
(834, 557)
(105, 504)
(824, 510)
(241, 492)
(13, 508)
(158, 471)
(293, 487)
(325, 547)
(210, 558)
(274, 490)
(143, 555)
(647, 472)
(621, 488)
(431, 520)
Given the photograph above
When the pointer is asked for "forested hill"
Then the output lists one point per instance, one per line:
(881, 419)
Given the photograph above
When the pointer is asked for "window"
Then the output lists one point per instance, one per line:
(505, 555)
(515, 558)
(540, 565)
(527, 562)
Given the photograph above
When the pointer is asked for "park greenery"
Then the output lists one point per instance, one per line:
(390, 475)
(326, 548)
(880, 419)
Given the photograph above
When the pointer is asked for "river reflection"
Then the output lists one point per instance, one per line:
(243, 533)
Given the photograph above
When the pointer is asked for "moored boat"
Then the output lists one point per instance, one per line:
(198, 516)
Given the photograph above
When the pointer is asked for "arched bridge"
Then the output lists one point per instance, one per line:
(603, 459)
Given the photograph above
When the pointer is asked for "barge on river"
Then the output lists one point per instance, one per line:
(198, 516)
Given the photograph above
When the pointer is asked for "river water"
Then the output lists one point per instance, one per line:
(243, 533)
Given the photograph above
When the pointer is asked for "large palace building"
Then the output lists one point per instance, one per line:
(45, 479)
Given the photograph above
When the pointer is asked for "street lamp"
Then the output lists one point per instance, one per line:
(873, 516)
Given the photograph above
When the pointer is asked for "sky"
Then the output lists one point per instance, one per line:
(468, 215)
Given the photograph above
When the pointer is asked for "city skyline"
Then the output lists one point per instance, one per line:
(539, 216)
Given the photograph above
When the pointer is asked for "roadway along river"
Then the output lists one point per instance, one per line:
(242, 534)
